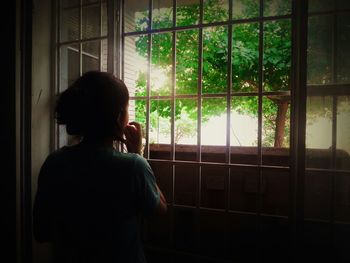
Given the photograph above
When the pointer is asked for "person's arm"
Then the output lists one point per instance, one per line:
(162, 207)
(133, 134)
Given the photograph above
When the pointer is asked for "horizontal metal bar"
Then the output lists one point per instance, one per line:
(227, 165)
(215, 95)
(322, 170)
(78, 41)
(197, 26)
(329, 90)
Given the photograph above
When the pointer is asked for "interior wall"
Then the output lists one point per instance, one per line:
(42, 91)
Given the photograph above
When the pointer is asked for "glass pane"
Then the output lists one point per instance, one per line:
(187, 62)
(342, 198)
(215, 59)
(161, 68)
(186, 129)
(213, 131)
(187, 12)
(69, 65)
(321, 5)
(245, 9)
(137, 112)
(135, 64)
(318, 132)
(245, 57)
(244, 130)
(213, 188)
(90, 56)
(162, 15)
(69, 3)
(104, 28)
(69, 24)
(275, 191)
(343, 134)
(317, 195)
(277, 7)
(160, 128)
(276, 121)
(215, 10)
(104, 54)
(343, 50)
(319, 54)
(91, 21)
(164, 174)
(244, 188)
(136, 15)
(186, 184)
(277, 55)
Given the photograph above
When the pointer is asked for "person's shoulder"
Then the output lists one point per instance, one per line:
(57, 155)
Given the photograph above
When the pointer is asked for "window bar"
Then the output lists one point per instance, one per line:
(111, 37)
(260, 89)
(117, 34)
(229, 90)
(173, 85)
(100, 22)
(80, 37)
(149, 58)
(121, 14)
(334, 126)
(58, 58)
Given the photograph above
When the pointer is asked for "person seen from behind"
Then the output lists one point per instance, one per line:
(90, 196)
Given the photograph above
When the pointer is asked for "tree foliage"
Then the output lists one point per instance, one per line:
(245, 63)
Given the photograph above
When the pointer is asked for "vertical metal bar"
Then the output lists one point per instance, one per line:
(149, 59)
(111, 37)
(298, 125)
(260, 90)
(122, 49)
(58, 65)
(199, 91)
(173, 86)
(229, 87)
(80, 37)
(118, 31)
(25, 129)
(100, 23)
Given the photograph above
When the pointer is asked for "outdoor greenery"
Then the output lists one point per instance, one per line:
(245, 67)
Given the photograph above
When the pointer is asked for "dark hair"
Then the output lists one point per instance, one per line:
(92, 105)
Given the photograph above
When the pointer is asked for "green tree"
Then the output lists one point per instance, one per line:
(245, 66)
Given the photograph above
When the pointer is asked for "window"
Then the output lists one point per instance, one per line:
(82, 44)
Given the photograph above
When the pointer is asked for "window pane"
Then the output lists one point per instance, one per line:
(277, 7)
(215, 10)
(69, 3)
(244, 189)
(104, 22)
(276, 130)
(161, 68)
(277, 55)
(137, 112)
(91, 21)
(135, 64)
(318, 132)
(160, 128)
(213, 133)
(244, 130)
(69, 65)
(326, 5)
(186, 184)
(343, 50)
(343, 133)
(162, 15)
(213, 186)
(187, 62)
(275, 189)
(215, 59)
(319, 59)
(187, 12)
(186, 129)
(69, 24)
(104, 54)
(245, 9)
(245, 57)
(90, 56)
(136, 15)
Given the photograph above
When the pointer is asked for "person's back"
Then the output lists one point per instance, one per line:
(89, 200)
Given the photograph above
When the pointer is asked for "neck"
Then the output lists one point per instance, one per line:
(99, 142)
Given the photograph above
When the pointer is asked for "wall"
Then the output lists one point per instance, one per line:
(41, 100)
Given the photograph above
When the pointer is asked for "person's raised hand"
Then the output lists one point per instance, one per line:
(133, 136)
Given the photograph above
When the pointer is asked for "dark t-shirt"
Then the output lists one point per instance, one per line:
(89, 201)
